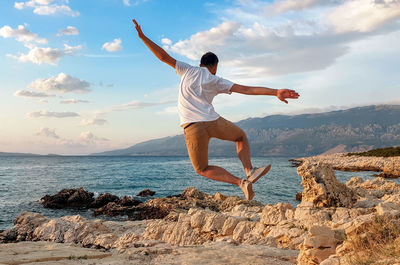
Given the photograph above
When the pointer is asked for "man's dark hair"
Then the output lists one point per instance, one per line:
(209, 59)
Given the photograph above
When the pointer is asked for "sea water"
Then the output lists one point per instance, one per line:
(24, 180)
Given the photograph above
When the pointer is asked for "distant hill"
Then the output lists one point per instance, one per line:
(351, 130)
(17, 154)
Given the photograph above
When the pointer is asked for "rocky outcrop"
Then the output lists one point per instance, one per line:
(80, 198)
(388, 166)
(318, 245)
(103, 199)
(68, 198)
(321, 188)
(146, 193)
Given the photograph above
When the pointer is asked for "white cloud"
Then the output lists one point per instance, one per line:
(90, 138)
(295, 5)
(85, 139)
(166, 41)
(135, 3)
(364, 15)
(50, 56)
(68, 31)
(287, 44)
(260, 51)
(94, 121)
(46, 7)
(47, 132)
(51, 114)
(32, 3)
(21, 34)
(113, 46)
(133, 105)
(62, 83)
(31, 94)
(73, 101)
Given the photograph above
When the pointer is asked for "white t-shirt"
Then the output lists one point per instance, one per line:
(197, 90)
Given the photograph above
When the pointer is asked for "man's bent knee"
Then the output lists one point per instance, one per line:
(201, 170)
(241, 138)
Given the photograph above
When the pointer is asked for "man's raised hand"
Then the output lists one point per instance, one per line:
(283, 94)
(138, 28)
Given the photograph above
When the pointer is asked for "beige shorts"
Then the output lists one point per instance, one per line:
(198, 135)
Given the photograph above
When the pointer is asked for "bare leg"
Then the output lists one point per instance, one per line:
(243, 152)
(219, 174)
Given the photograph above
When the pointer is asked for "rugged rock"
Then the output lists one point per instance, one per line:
(388, 166)
(273, 214)
(318, 245)
(287, 234)
(24, 226)
(193, 198)
(321, 187)
(104, 199)
(146, 193)
(68, 198)
(310, 215)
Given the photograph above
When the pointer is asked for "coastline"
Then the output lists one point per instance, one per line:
(388, 167)
(197, 226)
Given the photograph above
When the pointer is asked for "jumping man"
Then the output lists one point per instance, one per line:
(200, 122)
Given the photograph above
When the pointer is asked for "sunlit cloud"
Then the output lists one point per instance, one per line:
(47, 7)
(73, 101)
(113, 46)
(364, 15)
(51, 114)
(295, 5)
(62, 83)
(68, 31)
(38, 55)
(21, 34)
(32, 94)
(134, 105)
(85, 139)
(90, 138)
(94, 121)
(47, 132)
(295, 43)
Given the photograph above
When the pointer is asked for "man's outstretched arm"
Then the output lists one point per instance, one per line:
(281, 94)
(159, 52)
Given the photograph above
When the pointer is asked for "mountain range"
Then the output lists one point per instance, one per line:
(350, 130)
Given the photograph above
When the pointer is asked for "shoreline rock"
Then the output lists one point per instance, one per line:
(389, 167)
(319, 229)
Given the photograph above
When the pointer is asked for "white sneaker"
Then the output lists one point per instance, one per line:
(257, 172)
(247, 189)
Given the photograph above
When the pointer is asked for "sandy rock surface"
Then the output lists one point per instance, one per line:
(50, 253)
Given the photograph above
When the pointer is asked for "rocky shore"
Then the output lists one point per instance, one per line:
(198, 228)
(389, 167)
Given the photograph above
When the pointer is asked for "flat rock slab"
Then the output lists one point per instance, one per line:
(224, 253)
(49, 253)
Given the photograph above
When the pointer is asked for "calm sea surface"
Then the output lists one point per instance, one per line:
(24, 180)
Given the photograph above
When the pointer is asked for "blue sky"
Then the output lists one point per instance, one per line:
(75, 79)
